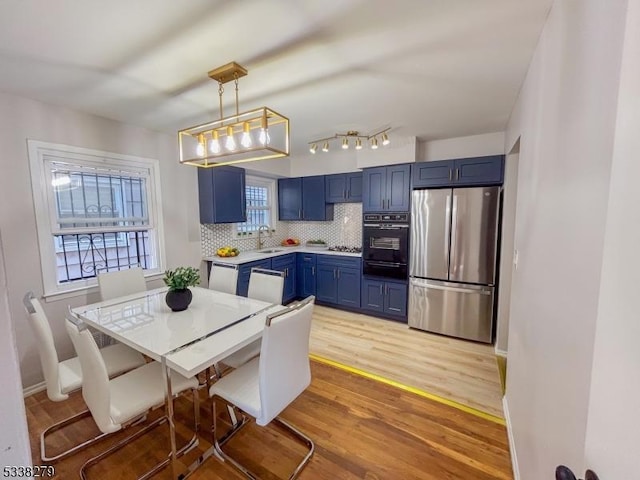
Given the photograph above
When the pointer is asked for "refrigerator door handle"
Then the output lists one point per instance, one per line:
(433, 286)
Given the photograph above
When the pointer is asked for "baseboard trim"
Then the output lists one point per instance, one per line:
(500, 353)
(512, 445)
(33, 389)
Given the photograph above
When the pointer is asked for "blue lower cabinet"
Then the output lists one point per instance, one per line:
(306, 274)
(327, 284)
(244, 273)
(287, 265)
(338, 280)
(385, 297)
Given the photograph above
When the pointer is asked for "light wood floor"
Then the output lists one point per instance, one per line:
(363, 429)
(465, 372)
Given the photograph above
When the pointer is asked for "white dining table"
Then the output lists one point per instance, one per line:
(215, 325)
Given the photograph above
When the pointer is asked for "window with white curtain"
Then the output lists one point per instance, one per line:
(96, 212)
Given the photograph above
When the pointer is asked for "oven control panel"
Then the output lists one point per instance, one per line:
(386, 217)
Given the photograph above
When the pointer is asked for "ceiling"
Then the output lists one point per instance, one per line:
(427, 68)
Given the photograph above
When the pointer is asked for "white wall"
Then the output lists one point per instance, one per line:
(565, 118)
(613, 433)
(22, 118)
(461, 147)
(14, 437)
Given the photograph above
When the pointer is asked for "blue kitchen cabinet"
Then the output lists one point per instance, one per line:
(385, 297)
(386, 189)
(244, 273)
(287, 265)
(221, 192)
(306, 274)
(338, 280)
(290, 199)
(461, 172)
(314, 205)
(303, 198)
(343, 187)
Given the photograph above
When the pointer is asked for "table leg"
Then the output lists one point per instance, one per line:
(172, 426)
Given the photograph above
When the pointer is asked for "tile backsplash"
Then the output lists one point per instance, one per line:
(344, 229)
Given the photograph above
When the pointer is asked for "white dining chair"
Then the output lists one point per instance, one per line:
(121, 282)
(223, 278)
(63, 377)
(265, 386)
(265, 285)
(125, 400)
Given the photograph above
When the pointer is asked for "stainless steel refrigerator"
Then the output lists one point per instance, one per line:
(452, 269)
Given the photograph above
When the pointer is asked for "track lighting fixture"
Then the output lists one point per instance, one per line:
(352, 134)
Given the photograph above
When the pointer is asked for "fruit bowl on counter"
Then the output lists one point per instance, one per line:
(290, 242)
(227, 252)
(319, 244)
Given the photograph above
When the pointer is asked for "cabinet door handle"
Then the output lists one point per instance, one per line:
(344, 193)
(338, 273)
(457, 173)
(450, 174)
(286, 272)
(313, 271)
(334, 273)
(380, 289)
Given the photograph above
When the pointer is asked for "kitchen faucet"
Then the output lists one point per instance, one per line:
(261, 228)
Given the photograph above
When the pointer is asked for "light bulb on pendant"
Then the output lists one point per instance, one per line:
(374, 143)
(345, 143)
(313, 149)
(246, 141)
(214, 146)
(358, 144)
(200, 149)
(264, 132)
(230, 143)
(325, 147)
(385, 139)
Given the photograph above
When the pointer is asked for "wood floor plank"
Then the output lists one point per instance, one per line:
(363, 429)
(462, 371)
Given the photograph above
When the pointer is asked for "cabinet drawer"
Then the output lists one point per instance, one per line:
(283, 261)
(339, 261)
(307, 258)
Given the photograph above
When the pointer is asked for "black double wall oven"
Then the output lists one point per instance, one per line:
(385, 243)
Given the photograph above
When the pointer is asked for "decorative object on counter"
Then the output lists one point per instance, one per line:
(345, 249)
(290, 242)
(320, 244)
(179, 280)
(227, 252)
(263, 133)
(352, 135)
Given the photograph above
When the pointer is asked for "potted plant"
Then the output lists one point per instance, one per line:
(179, 280)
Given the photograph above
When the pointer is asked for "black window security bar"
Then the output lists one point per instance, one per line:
(85, 255)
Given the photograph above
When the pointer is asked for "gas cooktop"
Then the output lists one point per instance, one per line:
(343, 248)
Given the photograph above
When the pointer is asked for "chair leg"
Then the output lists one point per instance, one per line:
(290, 428)
(193, 442)
(57, 426)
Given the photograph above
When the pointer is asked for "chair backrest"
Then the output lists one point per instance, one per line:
(284, 371)
(266, 285)
(122, 282)
(223, 278)
(46, 347)
(95, 379)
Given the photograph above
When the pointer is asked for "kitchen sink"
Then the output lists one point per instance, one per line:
(270, 251)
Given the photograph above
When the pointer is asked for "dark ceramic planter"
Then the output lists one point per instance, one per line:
(179, 300)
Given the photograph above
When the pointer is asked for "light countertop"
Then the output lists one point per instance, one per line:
(255, 255)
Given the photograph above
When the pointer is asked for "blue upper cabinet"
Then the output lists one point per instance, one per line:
(303, 198)
(314, 205)
(386, 189)
(343, 187)
(290, 199)
(460, 172)
(221, 192)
